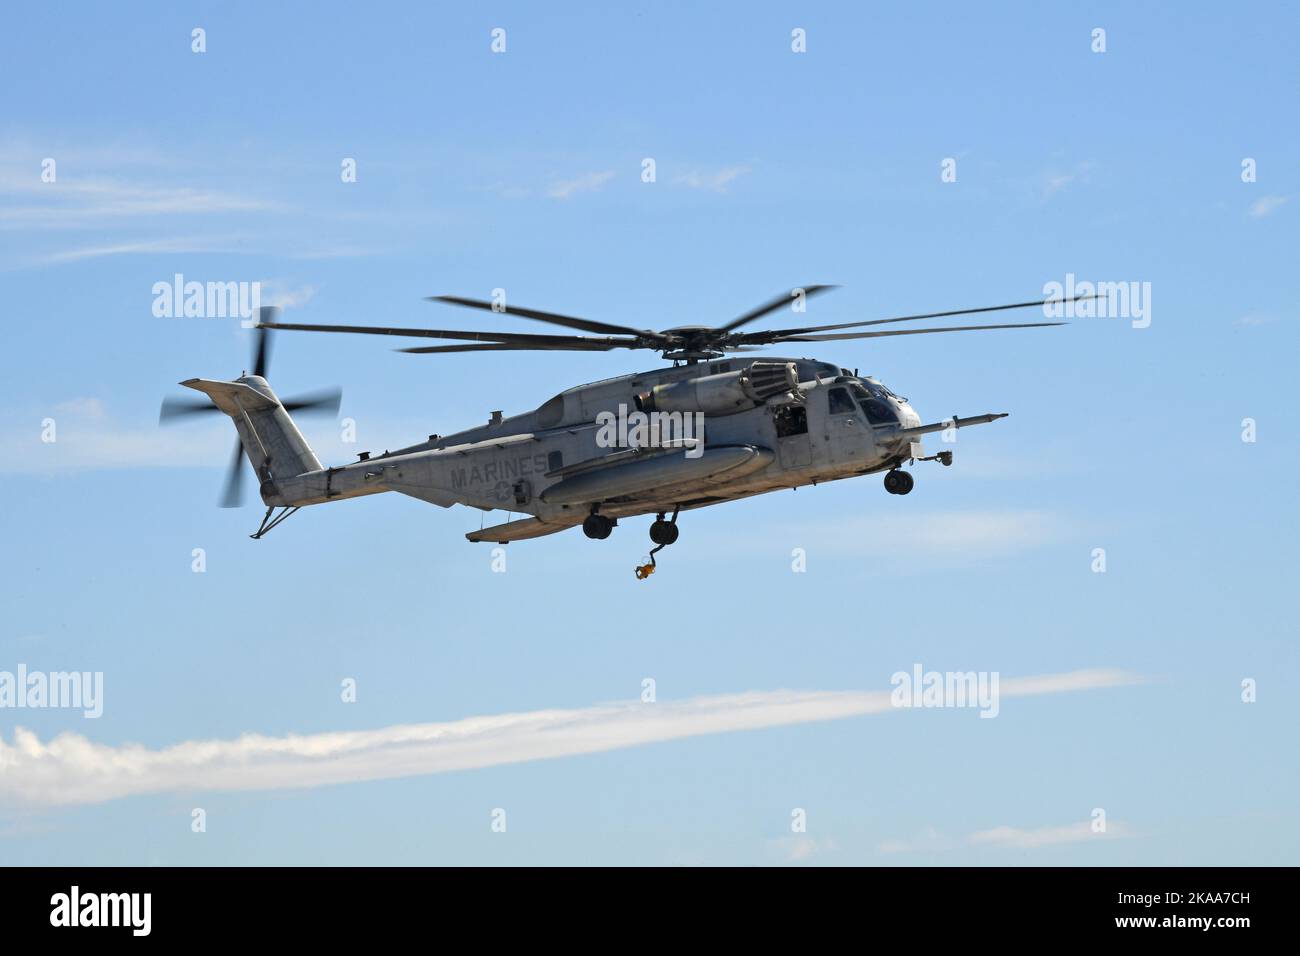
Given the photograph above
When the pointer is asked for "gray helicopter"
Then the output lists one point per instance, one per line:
(711, 427)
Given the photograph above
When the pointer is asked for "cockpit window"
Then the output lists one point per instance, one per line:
(878, 411)
(839, 400)
(882, 391)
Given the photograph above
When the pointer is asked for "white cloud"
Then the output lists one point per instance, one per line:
(90, 437)
(85, 443)
(68, 203)
(1054, 181)
(932, 841)
(71, 769)
(797, 849)
(590, 182)
(929, 839)
(1255, 319)
(715, 181)
(1267, 205)
(91, 408)
(285, 294)
(1044, 836)
(141, 247)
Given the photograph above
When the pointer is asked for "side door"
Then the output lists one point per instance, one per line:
(845, 432)
(794, 448)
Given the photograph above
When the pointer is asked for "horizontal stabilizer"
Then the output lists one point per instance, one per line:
(230, 397)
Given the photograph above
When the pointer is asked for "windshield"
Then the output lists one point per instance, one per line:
(880, 391)
(874, 406)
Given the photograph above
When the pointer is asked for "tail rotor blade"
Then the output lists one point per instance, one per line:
(233, 495)
(267, 315)
(326, 400)
(174, 408)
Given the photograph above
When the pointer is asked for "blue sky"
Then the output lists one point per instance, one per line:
(522, 171)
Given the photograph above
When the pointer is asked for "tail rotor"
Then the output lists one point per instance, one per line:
(324, 401)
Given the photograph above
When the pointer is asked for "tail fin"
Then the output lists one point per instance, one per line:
(272, 442)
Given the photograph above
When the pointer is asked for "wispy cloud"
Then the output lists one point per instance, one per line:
(930, 840)
(285, 294)
(194, 244)
(85, 443)
(91, 409)
(1255, 319)
(715, 180)
(1054, 181)
(588, 183)
(798, 849)
(81, 204)
(90, 436)
(71, 769)
(1267, 205)
(1022, 839)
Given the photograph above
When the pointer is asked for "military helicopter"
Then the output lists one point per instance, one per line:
(709, 428)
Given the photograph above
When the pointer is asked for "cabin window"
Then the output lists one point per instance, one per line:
(840, 402)
(554, 461)
(791, 420)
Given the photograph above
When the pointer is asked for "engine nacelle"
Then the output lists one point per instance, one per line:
(724, 394)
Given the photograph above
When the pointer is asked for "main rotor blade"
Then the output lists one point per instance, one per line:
(772, 306)
(512, 338)
(234, 492)
(926, 315)
(326, 400)
(504, 347)
(555, 318)
(173, 408)
(877, 335)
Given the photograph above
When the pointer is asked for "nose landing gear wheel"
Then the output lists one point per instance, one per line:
(898, 482)
(597, 526)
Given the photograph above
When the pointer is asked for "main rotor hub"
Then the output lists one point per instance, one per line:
(691, 355)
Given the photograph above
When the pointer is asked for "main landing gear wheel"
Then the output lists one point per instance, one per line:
(898, 482)
(597, 526)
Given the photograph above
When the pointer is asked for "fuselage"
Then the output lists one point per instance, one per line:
(833, 424)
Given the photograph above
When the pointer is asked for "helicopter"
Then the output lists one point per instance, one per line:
(716, 425)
